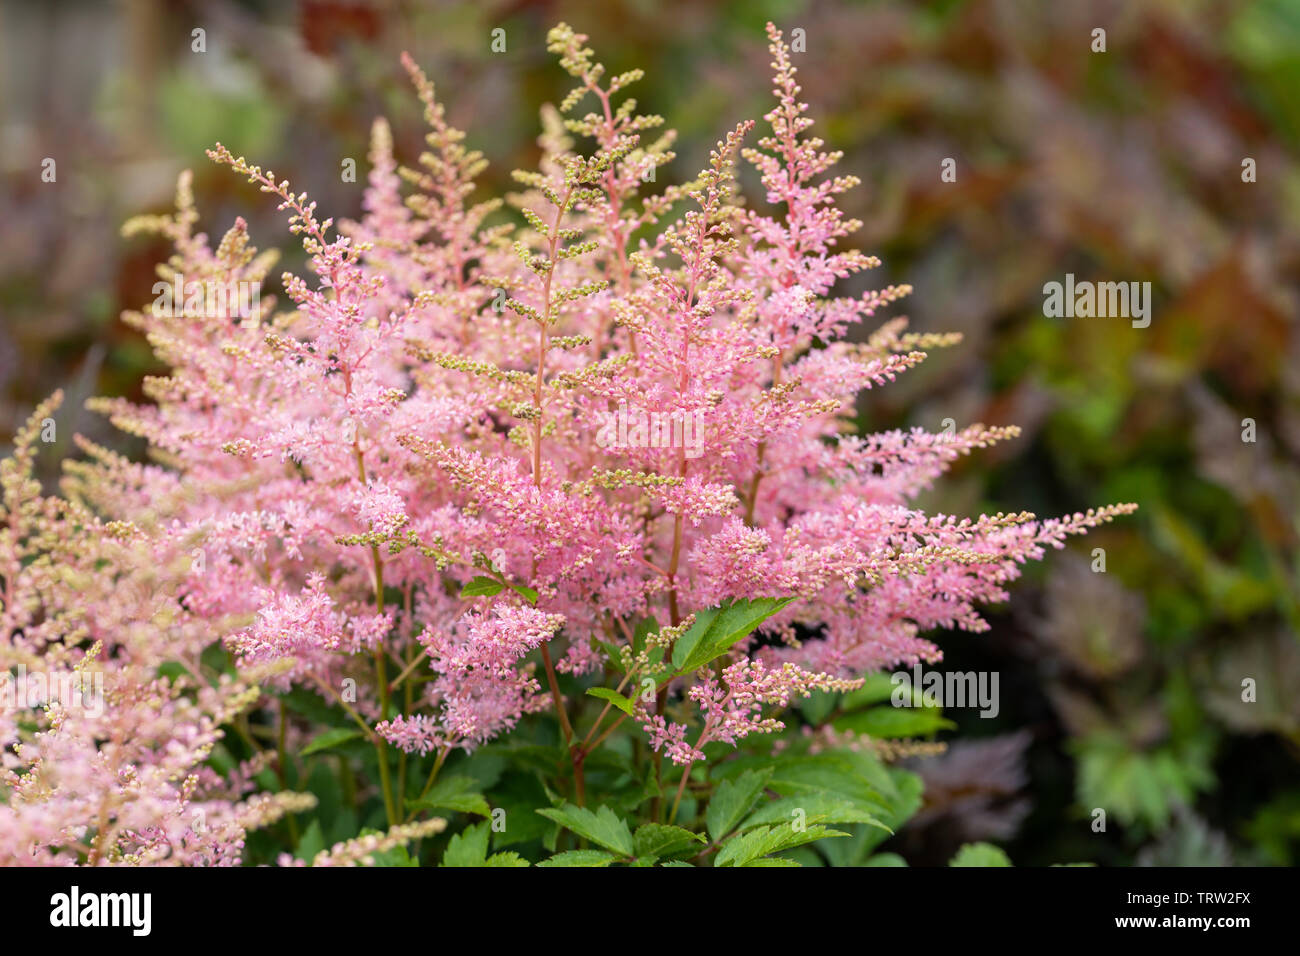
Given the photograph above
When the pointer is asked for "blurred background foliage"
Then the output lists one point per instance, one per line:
(1120, 691)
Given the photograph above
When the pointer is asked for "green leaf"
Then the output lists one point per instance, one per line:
(580, 858)
(716, 629)
(509, 858)
(454, 793)
(395, 856)
(644, 628)
(885, 859)
(612, 655)
(857, 778)
(980, 854)
(527, 593)
(817, 706)
(875, 689)
(312, 842)
(733, 799)
(743, 848)
(657, 839)
(614, 697)
(894, 722)
(482, 587)
(469, 847)
(604, 827)
(816, 807)
(516, 797)
(804, 856)
(331, 738)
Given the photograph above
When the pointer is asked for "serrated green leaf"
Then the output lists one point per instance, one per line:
(482, 587)
(657, 839)
(580, 858)
(604, 827)
(527, 593)
(855, 777)
(980, 854)
(816, 807)
(507, 859)
(469, 847)
(798, 837)
(331, 738)
(743, 847)
(614, 697)
(454, 793)
(395, 856)
(733, 799)
(716, 629)
(761, 842)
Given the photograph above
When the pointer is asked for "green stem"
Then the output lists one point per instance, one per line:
(681, 788)
(282, 765)
(433, 775)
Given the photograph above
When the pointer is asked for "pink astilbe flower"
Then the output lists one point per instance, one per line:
(479, 684)
(306, 625)
(440, 401)
(102, 759)
(381, 509)
(732, 709)
(417, 461)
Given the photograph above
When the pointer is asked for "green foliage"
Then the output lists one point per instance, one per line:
(454, 793)
(330, 739)
(715, 631)
(482, 587)
(980, 854)
(733, 799)
(1216, 566)
(470, 848)
(615, 698)
(603, 827)
(755, 847)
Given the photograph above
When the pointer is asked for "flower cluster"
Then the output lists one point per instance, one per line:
(389, 491)
(735, 712)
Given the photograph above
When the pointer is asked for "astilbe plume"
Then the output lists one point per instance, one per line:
(439, 403)
(104, 758)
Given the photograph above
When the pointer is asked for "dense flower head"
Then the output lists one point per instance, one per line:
(482, 448)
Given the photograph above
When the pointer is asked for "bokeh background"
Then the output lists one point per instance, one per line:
(1120, 690)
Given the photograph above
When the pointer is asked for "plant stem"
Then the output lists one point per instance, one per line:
(608, 730)
(281, 765)
(433, 775)
(681, 788)
(579, 780)
(555, 696)
(381, 667)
